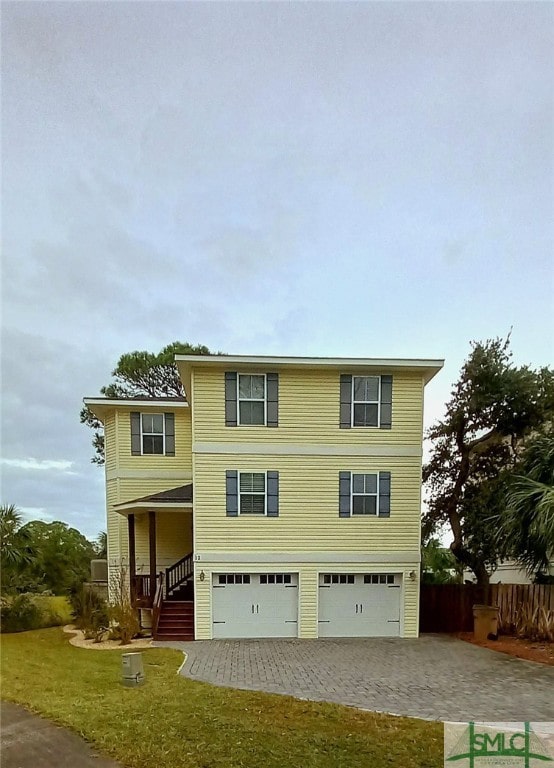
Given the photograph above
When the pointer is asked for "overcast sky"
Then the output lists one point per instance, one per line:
(364, 179)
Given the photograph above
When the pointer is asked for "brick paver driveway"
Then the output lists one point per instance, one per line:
(436, 677)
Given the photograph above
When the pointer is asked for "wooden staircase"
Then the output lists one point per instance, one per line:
(173, 614)
(176, 620)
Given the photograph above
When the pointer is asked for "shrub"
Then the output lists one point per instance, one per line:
(535, 624)
(18, 614)
(90, 612)
(124, 619)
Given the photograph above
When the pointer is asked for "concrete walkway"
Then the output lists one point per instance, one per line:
(436, 676)
(29, 741)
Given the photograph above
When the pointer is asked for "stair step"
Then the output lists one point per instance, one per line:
(175, 620)
(186, 603)
(183, 638)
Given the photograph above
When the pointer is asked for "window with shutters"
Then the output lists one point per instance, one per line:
(365, 401)
(251, 399)
(365, 492)
(252, 493)
(152, 434)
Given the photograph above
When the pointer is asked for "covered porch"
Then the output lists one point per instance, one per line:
(160, 536)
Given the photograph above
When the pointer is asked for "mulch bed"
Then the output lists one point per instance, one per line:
(541, 651)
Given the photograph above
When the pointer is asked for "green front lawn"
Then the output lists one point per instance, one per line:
(173, 722)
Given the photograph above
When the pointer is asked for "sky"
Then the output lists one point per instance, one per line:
(370, 179)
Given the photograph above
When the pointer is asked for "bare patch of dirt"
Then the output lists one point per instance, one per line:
(541, 651)
(79, 641)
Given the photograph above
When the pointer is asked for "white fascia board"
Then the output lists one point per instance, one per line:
(137, 404)
(151, 506)
(100, 406)
(427, 366)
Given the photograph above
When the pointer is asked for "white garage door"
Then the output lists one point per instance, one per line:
(255, 605)
(359, 605)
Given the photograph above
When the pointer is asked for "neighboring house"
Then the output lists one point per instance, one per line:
(281, 499)
(508, 572)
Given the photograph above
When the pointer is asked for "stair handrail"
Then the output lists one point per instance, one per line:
(178, 573)
(157, 603)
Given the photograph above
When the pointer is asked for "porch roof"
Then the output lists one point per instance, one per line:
(172, 499)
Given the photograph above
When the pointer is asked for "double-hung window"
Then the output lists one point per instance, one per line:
(365, 492)
(152, 433)
(365, 401)
(251, 399)
(252, 493)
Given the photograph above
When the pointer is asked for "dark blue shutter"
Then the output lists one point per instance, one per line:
(169, 419)
(136, 448)
(232, 492)
(345, 401)
(230, 399)
(272, 395)
(273, 494)
(344, 494)
(386, 402)
(384, 494)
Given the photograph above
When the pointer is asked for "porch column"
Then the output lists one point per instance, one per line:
(132, 556)
(152, 541)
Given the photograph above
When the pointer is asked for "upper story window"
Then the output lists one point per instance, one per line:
(251, 398)
(152, 434)
(365, 401)
(365, 494)
(252, 493)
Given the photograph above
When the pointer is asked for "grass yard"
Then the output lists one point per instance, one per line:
(178, 723)
(55, 604)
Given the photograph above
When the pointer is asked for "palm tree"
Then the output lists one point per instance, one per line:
(527, 525)
(101, 545)
(15, 542)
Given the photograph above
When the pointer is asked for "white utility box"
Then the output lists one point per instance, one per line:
(132, 669)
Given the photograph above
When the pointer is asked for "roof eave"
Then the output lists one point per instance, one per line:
(101, 406)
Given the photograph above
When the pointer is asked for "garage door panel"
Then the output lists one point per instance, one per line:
(262, 605)
(359, 605)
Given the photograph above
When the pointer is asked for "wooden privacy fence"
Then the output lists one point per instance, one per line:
(449, 607)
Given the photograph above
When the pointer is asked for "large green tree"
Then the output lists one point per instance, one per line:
(61, 558)
(526, 523)
(141, 374)
(494, 406)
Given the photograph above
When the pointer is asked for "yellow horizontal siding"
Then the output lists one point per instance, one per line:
(110, 446)
(309, 404)
(114, 551)
(183, 447)
(308, 507)
(411, 605)
(136, 488)
(173, 539)
(308, 595)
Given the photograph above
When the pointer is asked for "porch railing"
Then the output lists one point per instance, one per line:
(141, 590)
(157, 602)
(178, 573)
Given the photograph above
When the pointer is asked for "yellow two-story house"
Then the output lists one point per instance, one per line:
(280, 498)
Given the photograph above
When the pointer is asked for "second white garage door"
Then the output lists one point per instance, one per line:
(359, 605)
(255, 605)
